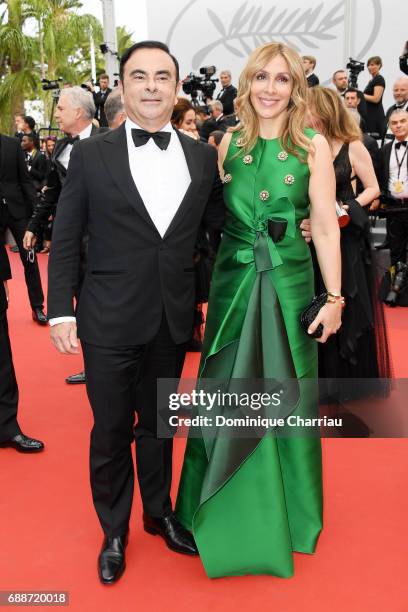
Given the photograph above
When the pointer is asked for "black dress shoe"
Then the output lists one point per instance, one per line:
(76, 379)
(111, 561)
(39, 316)
(383, 245)
(23, 444)
(173, 533)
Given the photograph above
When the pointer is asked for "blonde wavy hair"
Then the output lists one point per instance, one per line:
(335, 120)
(293, 134)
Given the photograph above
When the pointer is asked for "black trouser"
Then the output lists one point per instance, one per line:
(398, 237)
(8, 386)
(31, 270)
(119, 382)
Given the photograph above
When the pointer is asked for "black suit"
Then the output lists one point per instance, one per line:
(135, 311)
(19, 196)
(227, 96)
(397, 223)
(212, 124)
(100, 99)
(55, 181)
(8, 384)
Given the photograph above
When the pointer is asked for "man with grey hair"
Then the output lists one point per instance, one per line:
(400, 93)
(215, 122)
(228, 92)
(74, 113)
(114, 110)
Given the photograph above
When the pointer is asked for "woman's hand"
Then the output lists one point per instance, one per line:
(330, 317)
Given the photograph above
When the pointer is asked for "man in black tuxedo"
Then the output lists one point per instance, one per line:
(100, 98)
(74, 113)
(35, 160)
(18, 199)
(141, 191)
(400, 93)
(394, 185)
(10, 433)
(217, 120)
(228, 92)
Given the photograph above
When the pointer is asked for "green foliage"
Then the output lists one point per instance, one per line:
(45, 39)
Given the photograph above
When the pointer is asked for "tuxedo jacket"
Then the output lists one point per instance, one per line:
(312, 80)
(17, 191)
(132, 273)
(385, 156)
(54, 182)
(38, 169)
(227, 97)
(100, 100)
(210, 125)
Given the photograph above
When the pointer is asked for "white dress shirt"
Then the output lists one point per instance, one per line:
(403, 172)
(161, 177)
(66, 152)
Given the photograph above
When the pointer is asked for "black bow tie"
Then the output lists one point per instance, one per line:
(403, 143)
(72, 139)
(141, 137)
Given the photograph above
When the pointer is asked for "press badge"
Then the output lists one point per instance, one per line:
(398, 186)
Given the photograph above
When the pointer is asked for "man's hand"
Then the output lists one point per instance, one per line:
(29, 240)
(64, 338)
(306, 228)
(6, 289)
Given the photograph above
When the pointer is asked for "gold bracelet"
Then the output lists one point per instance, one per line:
(334, 295)
(332, 300)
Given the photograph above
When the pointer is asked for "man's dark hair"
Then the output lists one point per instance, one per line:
(29, 121)
(104, 76)
(352, 90)
(146, 44)
(31, 137)
(218, 135)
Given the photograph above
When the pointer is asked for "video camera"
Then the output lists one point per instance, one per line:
(194, 83)
(354, 67)
(48, 85)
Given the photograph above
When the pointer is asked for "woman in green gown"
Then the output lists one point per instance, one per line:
(251, 502)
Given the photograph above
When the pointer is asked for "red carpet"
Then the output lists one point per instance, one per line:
(50, 537)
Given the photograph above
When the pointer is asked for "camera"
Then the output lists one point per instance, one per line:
(86, 86)
(399, 284)
(48, 85)
(354, 67)
(194, 83)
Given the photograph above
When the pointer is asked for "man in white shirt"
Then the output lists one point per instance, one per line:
(141, 191)
(74, 113)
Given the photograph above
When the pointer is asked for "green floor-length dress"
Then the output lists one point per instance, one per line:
(251, 503)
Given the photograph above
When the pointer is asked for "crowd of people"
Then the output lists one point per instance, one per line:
(139, 219)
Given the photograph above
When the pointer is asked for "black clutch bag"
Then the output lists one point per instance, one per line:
(310, 313)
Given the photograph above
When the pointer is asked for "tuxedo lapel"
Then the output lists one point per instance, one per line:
(191, 153)
(116, 159)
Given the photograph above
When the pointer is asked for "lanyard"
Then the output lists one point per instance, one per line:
(399, 163)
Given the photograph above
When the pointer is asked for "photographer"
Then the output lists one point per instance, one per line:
(100, 98)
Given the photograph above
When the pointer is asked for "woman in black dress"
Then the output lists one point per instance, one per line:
(359, 350)
(373, 95)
